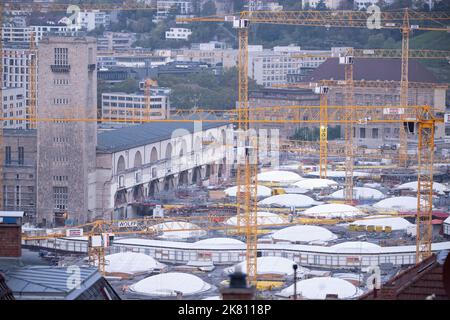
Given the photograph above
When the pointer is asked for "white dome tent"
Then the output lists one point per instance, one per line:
(398, 203)
(218, 241)
(318, 289)
(315, 184)
(437, 187)
(184, 233)
(131, 263)
(332, 210)
(262, 217)
(289, 200)
(338, 174)
(395, 223)
(278, 176)
(356, 246)
(360, 193)
(168, 284)
(303, 234)
(271, 265)
(262, 191)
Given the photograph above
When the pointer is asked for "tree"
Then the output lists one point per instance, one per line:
(209, 8)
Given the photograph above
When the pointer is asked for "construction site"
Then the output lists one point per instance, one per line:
(178, 205)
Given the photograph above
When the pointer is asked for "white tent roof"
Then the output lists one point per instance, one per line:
(360, 193)
(289, 200)
(272, 265)
(167, 284)
(278, 176)
(437, 187)
(356, 246)
(372, 185)
(398, 203)
(263, 217)
(447, 220)
(311, 184)
(179, 225)
(333, 210)
(318, 288)
(302, 233)
(130, 263)
(395, 223)
(217, 241)
(262, 191)
(338, 174)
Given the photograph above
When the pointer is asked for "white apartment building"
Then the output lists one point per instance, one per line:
(271, 67)
(11, 34)
(260, 5)
(120, 107)
(115, 41)
(165, 7)
(91, 20)
(364, 4)
(330, 4)
(15, 68)
(178, 33)
(14, 106)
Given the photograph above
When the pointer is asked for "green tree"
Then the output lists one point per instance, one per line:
(209, 8)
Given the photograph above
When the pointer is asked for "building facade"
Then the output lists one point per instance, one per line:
(116, 41)
(66, 153)
(136, 163)
(16, 71)
(122, 107)
(374, 135)
(19, 171)
(14, 106)
(91, 20)
(178, 34)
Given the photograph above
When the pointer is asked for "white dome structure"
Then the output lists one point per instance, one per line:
(398, 203)
(278, 176)
(303, 234)
(168, 284)
(262, 191)
(332, 210)
(131, 263)
(289, 200)
(217, 242)
(179, 235)
(360, 193)
(262, 217)
(356, 246)
(337, 174)
(437, 187)
(315, 183)
(271, 265)
(318, 288)
(395, 223)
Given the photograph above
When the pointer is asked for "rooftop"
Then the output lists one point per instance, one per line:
(372, 69)
(135, 136)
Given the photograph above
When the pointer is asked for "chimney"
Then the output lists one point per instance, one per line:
(238, 289)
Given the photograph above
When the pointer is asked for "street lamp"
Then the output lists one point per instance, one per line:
(295, 267)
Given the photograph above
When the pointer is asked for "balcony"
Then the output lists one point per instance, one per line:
(60, 68)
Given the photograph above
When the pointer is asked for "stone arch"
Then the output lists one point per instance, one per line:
(121, 165)
(153, 155)
(168, 154)
(153, 188)
(182, 150)
(137, 160)
(224, 137)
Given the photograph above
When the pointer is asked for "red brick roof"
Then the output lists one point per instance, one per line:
(372, 69)
(415, 283)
